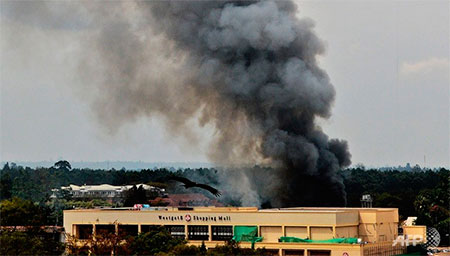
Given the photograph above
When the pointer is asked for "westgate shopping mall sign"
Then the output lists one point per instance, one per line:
(188, 218)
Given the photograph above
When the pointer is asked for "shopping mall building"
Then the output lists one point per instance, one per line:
(285, 231)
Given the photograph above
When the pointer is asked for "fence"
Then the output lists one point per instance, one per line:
(383, 249)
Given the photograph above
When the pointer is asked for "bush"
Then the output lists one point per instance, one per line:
(19, 212)
(157, 240)
(31, 242)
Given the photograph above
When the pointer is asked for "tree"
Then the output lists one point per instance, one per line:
(5, 184)
(135, 195)
(30, 238)
(431, 206)
(387, 200)
(19, 212)
(183, 249)
(233, 248)
(30, 242)
(103, 243)
(203, 249)
(157, 240)
(63, 164)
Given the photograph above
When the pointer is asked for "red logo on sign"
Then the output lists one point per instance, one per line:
(187, 217)
(345, 254)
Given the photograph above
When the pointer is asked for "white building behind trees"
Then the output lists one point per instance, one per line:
(106, 191)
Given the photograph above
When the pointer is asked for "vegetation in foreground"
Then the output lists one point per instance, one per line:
(26, 202)
(157, 241)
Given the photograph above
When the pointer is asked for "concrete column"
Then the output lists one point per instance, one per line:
(232, 230)
(334, 231)
(305, 252)
(209, 233)
(283, 230)
(186, 232)
(139, 229)
(94, 231)
(308, 231)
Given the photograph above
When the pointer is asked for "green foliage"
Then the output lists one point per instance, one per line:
(29, 238)
(157, 240)
(422, 193)
(103, 243)
(36, 184)
(233, 248)
(386, 200)
(389, 188)
(19, 212)
(57, 206)
(432, 207)
(5, 184)
(31, 242)
(182, 249)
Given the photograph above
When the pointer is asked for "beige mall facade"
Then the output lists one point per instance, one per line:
(376, 227)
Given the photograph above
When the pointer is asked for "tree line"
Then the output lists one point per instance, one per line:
(424, 194)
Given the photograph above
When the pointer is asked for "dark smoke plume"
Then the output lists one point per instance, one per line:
(248, 68)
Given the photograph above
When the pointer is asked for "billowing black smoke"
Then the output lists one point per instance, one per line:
(246, 69)
(255, 68)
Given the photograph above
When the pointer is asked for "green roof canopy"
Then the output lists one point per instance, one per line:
(290, 239)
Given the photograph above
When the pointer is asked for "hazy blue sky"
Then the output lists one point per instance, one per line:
(389, 63)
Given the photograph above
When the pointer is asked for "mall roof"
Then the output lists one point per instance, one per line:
(246, 209)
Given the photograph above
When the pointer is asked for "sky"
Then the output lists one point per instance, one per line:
(388, 61)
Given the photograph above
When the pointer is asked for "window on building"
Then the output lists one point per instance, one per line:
(176, 231)
(83, 231)
(148, 228)
(222, 233)
(272, 252)
(128, 230)
(198, 232)
(293, 252)
(319, 253)
(105, 229)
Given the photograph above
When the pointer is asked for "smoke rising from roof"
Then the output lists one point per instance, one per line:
(258, 81)
(248, 68)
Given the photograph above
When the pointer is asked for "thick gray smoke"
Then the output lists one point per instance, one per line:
(248, 68)
(256, 75)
